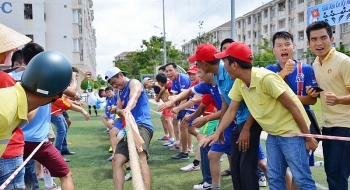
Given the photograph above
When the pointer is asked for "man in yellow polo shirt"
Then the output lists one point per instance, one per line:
(36, 89)
(278, 111)
(332, 72)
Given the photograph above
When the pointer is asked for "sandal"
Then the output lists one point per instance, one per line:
(226, 173)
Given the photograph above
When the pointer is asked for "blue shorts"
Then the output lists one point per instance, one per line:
(118, 123)
(7, 167)
(225, 148)
(191, 120)
(261, 154)
(181, 115)
(110, 116)
(122, 133)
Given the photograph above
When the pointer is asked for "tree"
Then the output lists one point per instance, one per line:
(101, 81)
(343, 50)
(84, 84)
(150, 55)
(265, 55)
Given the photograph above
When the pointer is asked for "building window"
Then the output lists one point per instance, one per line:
(257, 19)
(300, 35)
(265, 13)
(255, 48)
(318, 2)
(239, 24)
(344, 27)
(301, 17)
(265, 29)
(76, 44)
(273, 12)
(282, 6)
(333, 29)
(31, 36)
(300, 53)
(282, 23)
(292, 5)
(75, 16)
(291, 22)
(249, 20)
(273, 28)
(249, 34)
(65, 6)
(300, 1)
(239, 37)
(244, 25)
(243, 37)
(28, 11)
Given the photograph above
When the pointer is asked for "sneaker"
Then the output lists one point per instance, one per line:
(318, 163)
(128, 175)
(106, 131)
(170, 142)
(163, 138)
(262, 182)
(110, 150)
(181, 155)
(110, 158)
(203, 185)
(190, 167)
(54, 187)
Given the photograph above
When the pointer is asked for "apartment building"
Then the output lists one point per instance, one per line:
(64, 26)
(217, 35)
(280, 15)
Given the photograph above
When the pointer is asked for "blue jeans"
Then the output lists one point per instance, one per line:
(61, 128)
(283, 152)
(336, 158)
(205, 164)
(7, 167)
(30, 178)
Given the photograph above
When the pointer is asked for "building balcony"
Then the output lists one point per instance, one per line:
(76, 4)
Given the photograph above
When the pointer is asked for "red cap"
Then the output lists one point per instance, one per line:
(237, 50)
(193, 69)
(204, 52)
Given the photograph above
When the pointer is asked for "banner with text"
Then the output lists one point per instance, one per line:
(334, 12)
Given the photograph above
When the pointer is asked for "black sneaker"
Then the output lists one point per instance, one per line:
(181, 155)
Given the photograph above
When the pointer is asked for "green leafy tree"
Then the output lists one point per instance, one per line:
(342, 49)
(265, 55)
(96, 85)
(101, 81)
(85, 82)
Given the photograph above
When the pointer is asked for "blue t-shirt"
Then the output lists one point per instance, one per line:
(182, 83)
(17, 76)
(111, 102)
(206, 88)
(298, 80)
(141, 111)
(225, 83)
(37, 129)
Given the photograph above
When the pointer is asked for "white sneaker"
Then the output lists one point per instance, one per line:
(128, 175)
(170, 142)
(190, 167)
(318, 163)
(110, 158)
(54, 187)
(262, 182)
(202, 186)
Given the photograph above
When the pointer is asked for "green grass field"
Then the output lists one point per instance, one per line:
(91, 171)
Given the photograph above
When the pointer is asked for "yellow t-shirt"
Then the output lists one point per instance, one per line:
(13, 112)
(334, 76)
(261, 99)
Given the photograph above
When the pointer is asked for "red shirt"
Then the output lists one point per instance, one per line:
(60, 104)
(208, 100)
(16, 145)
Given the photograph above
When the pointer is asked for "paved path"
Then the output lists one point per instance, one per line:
(263, 135)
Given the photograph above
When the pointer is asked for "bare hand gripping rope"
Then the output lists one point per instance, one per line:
(134, 144)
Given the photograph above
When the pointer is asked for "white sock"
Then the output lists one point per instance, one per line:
(47, 177)
(171, 139)
(167, 135)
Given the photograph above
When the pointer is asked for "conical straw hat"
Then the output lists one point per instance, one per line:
(10, 39)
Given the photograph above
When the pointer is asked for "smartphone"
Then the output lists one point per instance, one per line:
(318, 89)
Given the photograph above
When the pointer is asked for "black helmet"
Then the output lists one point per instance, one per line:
(47, 74)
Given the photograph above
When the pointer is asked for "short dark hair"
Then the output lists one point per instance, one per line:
(16, 56)
(214, 62)
(161, 68)
(30, 50)
(318, 26)
(227, 40)
(161, 78)
(100, 92)
(243, 64)
(108, 88)
(75, 70)
(282, 34)
(172, 64)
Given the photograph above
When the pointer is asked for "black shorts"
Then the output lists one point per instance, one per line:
(65, 114)
(145, 133)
